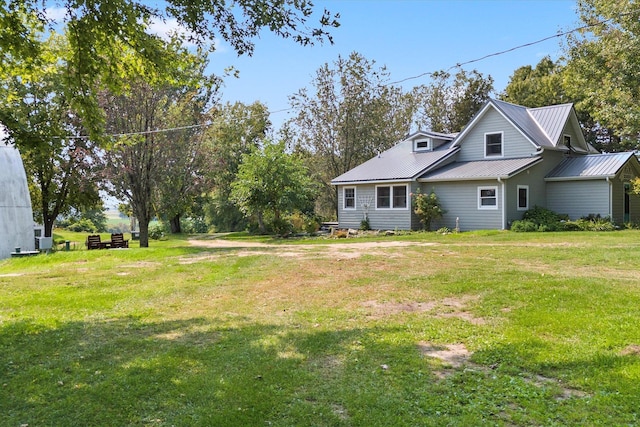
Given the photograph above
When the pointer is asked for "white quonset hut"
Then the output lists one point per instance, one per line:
(16, 216)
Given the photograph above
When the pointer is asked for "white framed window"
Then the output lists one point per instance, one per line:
(523, 197)
(487, 197)
(423, 144)
(567, 141)
(493, 144)
(391, 197)
(349, 198)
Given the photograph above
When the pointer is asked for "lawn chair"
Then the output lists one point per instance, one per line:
(118, 241)
(93, 242)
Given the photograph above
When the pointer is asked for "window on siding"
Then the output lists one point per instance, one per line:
(399, 196)
(391, 197)
(349, 197)
(422, 144)
(567, 141)
(493, 144)
(487, 197)
(523, 197)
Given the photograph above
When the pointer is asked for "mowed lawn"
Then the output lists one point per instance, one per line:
(487, 328)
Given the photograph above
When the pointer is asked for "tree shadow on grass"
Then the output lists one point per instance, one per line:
(204, 372)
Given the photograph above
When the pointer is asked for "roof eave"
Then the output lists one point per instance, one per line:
(579, 178)
(368, 181)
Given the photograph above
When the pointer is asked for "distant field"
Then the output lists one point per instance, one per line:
(484, 328)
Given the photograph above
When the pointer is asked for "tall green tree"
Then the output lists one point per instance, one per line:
(236, 129)
(97, 30)
(147, 161)
(349, 115)
(551, 83)
(272, 182)
(38, 113)
(184, 158)
(450, 102)
(537, 86)
(603, 67)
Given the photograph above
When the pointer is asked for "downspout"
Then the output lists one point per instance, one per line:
(610, 198)
(504, 198)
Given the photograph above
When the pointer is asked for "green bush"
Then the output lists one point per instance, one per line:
(523, 226)
(156, 232)
(82, 225)
(364, 225)
(541, 219)
(427, 208)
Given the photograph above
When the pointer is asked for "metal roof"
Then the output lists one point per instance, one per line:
(397, 163)
(482, 169)
(542, 126)
(552, 120)
(592, 166)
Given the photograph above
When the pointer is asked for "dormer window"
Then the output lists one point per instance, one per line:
(493, 144)
(567, 141)
(423, 144)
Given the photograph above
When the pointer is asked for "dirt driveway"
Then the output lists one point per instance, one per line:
(335, 250)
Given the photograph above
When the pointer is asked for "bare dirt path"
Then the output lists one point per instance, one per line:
(337, 250)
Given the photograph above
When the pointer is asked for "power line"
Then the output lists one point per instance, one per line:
(427, 73)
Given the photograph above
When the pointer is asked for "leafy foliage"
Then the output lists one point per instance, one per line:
(235, 130)
(37, 110)
(97, 32)
(349, 116)
(602, 66)
(272, 181)
(448, 104)
(427, 208)
(541, 219)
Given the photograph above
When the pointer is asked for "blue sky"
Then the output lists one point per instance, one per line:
(409, 37)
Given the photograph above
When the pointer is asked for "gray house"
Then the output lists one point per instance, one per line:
(508, 159)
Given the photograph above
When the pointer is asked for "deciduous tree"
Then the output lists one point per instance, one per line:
(448, 104)
(40, 119)
(350, 114)
(603, 64)
(236, 129)
(272, 181)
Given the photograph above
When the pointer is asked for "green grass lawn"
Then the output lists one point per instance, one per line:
(487, 328)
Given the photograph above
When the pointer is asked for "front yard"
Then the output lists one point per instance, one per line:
(493, 328)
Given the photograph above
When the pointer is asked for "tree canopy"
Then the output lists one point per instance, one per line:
(349, 116)
(273, 182)
(604, 66)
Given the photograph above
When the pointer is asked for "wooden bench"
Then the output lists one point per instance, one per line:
(118, 241)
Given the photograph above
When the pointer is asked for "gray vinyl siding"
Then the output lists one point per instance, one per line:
(579, 198)
(534, 178)
(460, 200)
(379, 219)
(514, 144)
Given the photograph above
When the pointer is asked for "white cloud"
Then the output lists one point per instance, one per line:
(55, 13)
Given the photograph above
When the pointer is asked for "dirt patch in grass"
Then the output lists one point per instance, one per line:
(451, 307)
(454, 355)
(631, 350)
(333, 251)
(564, 391)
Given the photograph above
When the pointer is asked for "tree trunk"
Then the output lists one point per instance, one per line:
(175, 224)
(261, 223)
(48, 225)
(144, 233)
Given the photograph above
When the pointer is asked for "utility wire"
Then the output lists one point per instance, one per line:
(428, 73)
